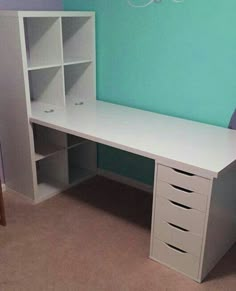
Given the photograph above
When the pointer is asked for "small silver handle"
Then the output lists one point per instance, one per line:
(49, 111)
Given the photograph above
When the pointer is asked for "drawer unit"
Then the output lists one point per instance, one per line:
(183, 196)
(185, 180)
(175, 258)
(178, 237)
(190, 219)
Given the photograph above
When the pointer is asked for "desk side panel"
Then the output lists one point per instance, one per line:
(221, 228)
(14, 125)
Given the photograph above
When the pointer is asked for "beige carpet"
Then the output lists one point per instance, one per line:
(94, 237)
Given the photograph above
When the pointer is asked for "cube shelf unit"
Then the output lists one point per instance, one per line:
(61, 159)
(52, 61)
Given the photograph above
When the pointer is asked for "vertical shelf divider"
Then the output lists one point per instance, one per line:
(64, 97)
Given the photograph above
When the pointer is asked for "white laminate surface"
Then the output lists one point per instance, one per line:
(29, 13)
(199, 148)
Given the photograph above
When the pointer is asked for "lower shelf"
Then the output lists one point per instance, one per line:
(47, 189)
(43, 151)
(65, 168)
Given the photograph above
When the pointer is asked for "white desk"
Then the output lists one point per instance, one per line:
(203, 149)
(194, 212)
(51, 60)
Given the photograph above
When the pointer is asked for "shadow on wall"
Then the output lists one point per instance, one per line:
(232, 124)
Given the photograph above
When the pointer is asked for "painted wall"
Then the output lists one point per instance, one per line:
(31, 4)
(176, 59)
(28, 5)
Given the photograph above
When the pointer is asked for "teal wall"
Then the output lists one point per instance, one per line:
(176, 59)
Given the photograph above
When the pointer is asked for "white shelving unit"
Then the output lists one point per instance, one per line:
(50, 57)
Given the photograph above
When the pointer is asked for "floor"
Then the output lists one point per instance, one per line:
(93, 237)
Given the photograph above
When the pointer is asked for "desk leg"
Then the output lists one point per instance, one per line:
(153, 209)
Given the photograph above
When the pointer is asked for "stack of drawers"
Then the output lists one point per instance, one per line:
(180, 208)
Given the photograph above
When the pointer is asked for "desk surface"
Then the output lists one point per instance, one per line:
(203, 149)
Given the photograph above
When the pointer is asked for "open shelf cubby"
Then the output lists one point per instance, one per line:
(46, 86)
(52, 174)
(78, 39)
(47, 141)
(43, 41)
(79, 82)
(82, 162)
(73, 141)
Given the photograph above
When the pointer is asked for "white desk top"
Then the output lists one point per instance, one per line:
(191, 146)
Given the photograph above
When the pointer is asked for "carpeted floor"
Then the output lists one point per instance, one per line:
(94, 237)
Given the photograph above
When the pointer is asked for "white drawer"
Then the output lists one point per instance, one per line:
(176, 259)
(177, 237)
(190, 219)
(183, 179)
(181, 195)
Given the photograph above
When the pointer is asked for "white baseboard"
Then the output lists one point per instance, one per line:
(124, 180)
(3, 187)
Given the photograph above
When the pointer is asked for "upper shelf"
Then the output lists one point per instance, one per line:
(34, 68)
(78, 38)
(79, 81)
(46, 85)
(43, 41)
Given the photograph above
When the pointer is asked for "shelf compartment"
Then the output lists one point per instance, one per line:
(80, 81)
(46, 86)
(51, 175)
(73, 141)
(78, 38)
(82, 162)
(47, 142)
(43, 41)
(78, 174)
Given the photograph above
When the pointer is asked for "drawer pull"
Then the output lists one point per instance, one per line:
(180, 205)
(178, 227)
(176, 249)
(181, 189)
(183, 172)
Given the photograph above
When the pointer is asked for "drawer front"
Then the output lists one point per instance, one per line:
(183, 179)
(180, 261)
(178, 237)
(182, 196)
(189, 219)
